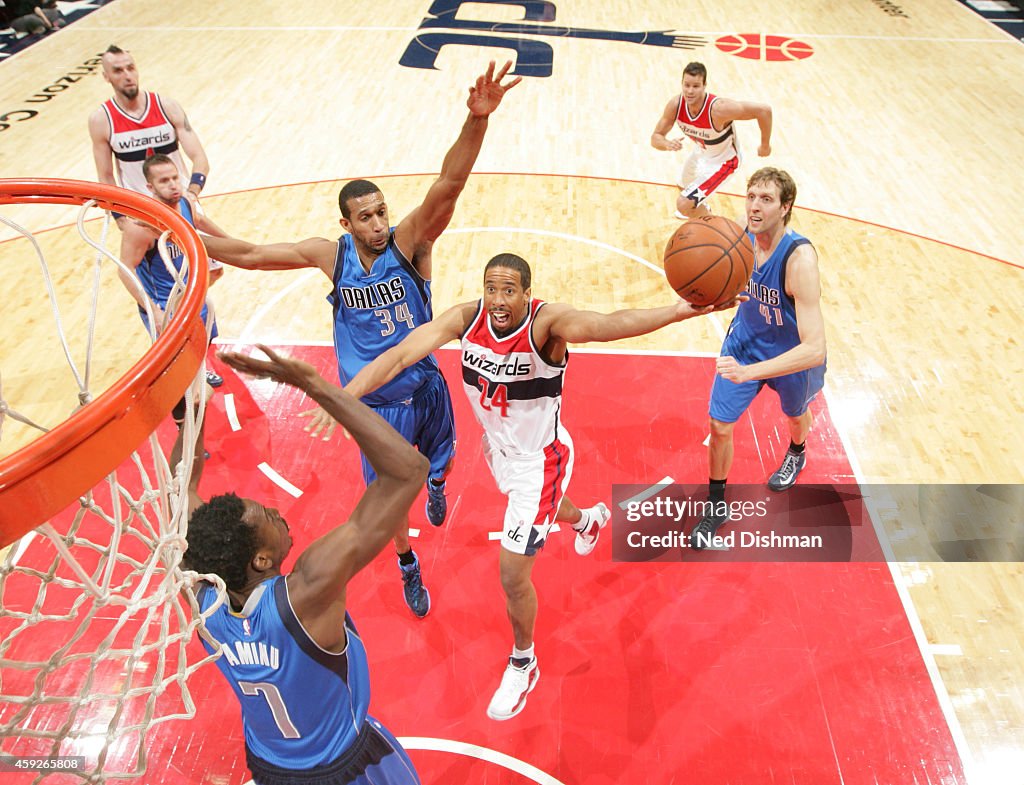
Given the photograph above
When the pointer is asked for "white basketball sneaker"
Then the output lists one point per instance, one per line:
(516, 683)
(586, 540)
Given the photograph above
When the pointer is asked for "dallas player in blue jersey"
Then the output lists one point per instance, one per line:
(777, 338)
(139, 252)
(290, 651)
(381, 292)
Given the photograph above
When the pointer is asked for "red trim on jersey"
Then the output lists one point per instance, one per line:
(482, 334)
(152, 115)
(696, 119)
(556, 458)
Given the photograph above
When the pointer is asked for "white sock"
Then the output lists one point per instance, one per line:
(584, 522)
(522, 654)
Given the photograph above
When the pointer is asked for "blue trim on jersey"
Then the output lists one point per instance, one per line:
(376, 310)
(329, 660)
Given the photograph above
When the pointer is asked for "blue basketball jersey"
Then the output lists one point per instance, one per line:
(765, 325)
(374, 311)
(301, 706)
(152, 271)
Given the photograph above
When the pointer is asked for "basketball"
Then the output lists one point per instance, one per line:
(708, 260)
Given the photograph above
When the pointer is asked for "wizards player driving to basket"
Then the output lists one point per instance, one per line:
(514, 355)
(290, 650)
(381, 292)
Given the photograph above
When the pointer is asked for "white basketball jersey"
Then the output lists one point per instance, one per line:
(516, 395)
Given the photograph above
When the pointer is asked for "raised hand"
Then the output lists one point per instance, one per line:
(488, 91)
(320, 422)
(287, 370)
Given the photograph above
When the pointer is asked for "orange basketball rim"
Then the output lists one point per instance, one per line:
(47, 475)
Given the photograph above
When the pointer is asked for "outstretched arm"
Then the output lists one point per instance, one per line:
(804, 284)
(316, 586)
(572, 326)
(416, 345)
(426, 223)
(314, 252)
(659, 139)
(726, 110)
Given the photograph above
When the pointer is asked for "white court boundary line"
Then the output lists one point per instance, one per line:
(927, 650)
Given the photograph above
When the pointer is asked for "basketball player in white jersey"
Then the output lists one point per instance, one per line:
(707, 120)
(514, 353)
(133, 125)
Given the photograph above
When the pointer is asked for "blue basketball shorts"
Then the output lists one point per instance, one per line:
(375, 758)
(795, 390)
(426, 421)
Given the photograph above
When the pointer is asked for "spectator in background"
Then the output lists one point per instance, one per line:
(27, 18)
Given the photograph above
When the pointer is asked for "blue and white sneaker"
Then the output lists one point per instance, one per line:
(437, 503)
(416, 595)
(785, 477)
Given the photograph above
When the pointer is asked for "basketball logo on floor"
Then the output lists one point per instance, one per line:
(773, 48)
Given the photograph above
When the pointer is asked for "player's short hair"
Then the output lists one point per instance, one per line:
(512, 262)
(353, 190)
(155, 160)
(220, 542)
(696, 69)
(114, 49)
(782, 180)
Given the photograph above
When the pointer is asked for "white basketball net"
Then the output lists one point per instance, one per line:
(95, 613)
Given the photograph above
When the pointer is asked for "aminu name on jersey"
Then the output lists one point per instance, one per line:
(373, 296)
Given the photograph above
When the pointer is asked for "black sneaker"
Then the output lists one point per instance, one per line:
(700, 537)
(792, 464)
(416, 595)
(214, 380)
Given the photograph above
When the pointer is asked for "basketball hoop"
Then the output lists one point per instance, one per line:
(96, 615)
(43, 478)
